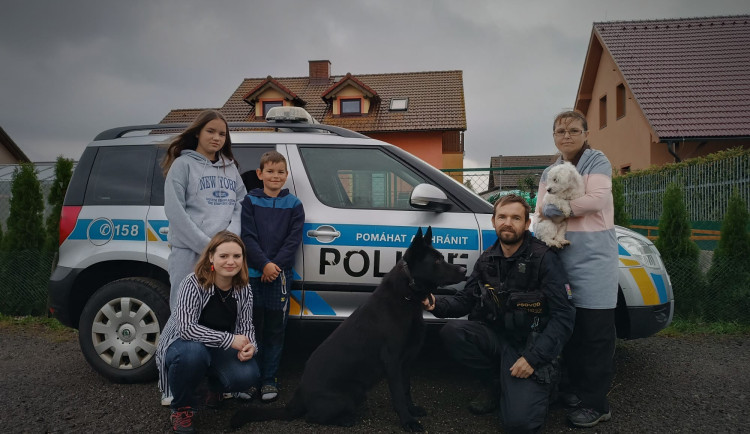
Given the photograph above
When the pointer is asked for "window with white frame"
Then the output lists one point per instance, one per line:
(350, 106)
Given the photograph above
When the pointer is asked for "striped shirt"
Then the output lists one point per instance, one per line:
(591, 259)
(183, 323)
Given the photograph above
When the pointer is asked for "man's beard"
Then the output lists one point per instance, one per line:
(510, 237)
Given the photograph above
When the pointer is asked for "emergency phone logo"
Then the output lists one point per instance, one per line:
(100, 231)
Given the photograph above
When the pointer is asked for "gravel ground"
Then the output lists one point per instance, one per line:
(663, 384)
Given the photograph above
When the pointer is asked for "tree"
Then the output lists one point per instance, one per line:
(618, 197)
(25, 230)
(63, 173)
(468, 185)
(729, 275)
(23, 272)
(680, 254)
(528, 184)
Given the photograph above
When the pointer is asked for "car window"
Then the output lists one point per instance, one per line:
(157, 186)
(121, 176)
(248, 158)
(359, 178)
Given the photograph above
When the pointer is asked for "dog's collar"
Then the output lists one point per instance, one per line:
(412, 284)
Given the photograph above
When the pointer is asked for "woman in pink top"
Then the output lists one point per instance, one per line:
(591, 264)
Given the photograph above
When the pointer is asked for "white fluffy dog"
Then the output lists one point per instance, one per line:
(564, 184)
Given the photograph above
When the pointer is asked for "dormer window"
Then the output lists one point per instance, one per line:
(269, 104)
(350, 97)
(350, 106)
(268, 94)
(399, 104)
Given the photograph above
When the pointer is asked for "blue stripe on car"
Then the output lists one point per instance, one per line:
(392, 236)
(315, 303)
(660, 287)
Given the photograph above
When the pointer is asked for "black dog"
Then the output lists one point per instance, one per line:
(382, 337)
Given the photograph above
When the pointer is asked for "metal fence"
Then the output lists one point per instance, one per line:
(488, 181)
(24, 277)
(711, 290)
(706, 187)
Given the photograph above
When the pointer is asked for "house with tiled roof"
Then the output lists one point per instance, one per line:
(10, 153)
(420, 112)
(510, 176)
(661, 91)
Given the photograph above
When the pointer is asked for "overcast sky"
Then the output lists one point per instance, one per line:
(71, 69)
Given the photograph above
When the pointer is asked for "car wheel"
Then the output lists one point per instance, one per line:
(120, 327)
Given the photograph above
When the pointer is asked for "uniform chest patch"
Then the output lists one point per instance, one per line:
(522, 267)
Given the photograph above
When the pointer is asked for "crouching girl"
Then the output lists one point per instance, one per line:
(210, 333)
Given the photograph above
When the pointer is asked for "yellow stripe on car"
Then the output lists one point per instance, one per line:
(645, 286)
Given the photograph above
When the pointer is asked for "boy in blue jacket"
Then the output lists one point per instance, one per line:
(272, 220)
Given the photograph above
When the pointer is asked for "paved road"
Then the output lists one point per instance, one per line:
(663, 384)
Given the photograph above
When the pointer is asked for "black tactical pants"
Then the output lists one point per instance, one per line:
(523, 401)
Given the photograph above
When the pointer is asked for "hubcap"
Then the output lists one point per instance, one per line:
(125, 333)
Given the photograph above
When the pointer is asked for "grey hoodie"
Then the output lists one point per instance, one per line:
(201, 198)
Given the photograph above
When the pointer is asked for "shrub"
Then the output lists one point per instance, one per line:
(618, 197)
(729, 275)
(528, 184)
(680, 254)
(24, 269)
(26, 209)
(63, 173)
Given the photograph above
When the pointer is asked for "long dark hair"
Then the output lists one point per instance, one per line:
(188, 139)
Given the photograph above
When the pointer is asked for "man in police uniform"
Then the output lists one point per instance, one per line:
(520, 316)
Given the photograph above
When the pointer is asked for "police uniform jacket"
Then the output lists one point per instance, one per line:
(533, 267)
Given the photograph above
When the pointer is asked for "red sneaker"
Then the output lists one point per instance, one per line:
(182, 420)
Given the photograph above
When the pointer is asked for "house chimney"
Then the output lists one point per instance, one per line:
(320, 71)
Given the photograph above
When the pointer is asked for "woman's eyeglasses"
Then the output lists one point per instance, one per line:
(573, 132)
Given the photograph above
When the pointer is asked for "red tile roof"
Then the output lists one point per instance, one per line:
(349, 78)
(506, 179)
(183, 116)
(436, 101)
(271, 82)
(690, 76)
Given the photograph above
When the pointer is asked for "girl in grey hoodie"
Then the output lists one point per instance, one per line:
(203, 193)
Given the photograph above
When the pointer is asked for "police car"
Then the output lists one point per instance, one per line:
(364, 200)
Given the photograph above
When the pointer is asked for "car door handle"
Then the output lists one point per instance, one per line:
(316, 234)
(324, 234)
(164, 230)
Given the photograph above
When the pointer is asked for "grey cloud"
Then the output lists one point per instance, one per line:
(73, 68)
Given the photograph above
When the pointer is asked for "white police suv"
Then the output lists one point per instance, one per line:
(364, 199)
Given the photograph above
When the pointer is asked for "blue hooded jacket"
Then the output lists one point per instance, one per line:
(271, 229)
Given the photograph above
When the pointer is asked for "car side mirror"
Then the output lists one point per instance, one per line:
(429, 197)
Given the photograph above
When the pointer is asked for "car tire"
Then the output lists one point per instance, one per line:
(120, 327)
